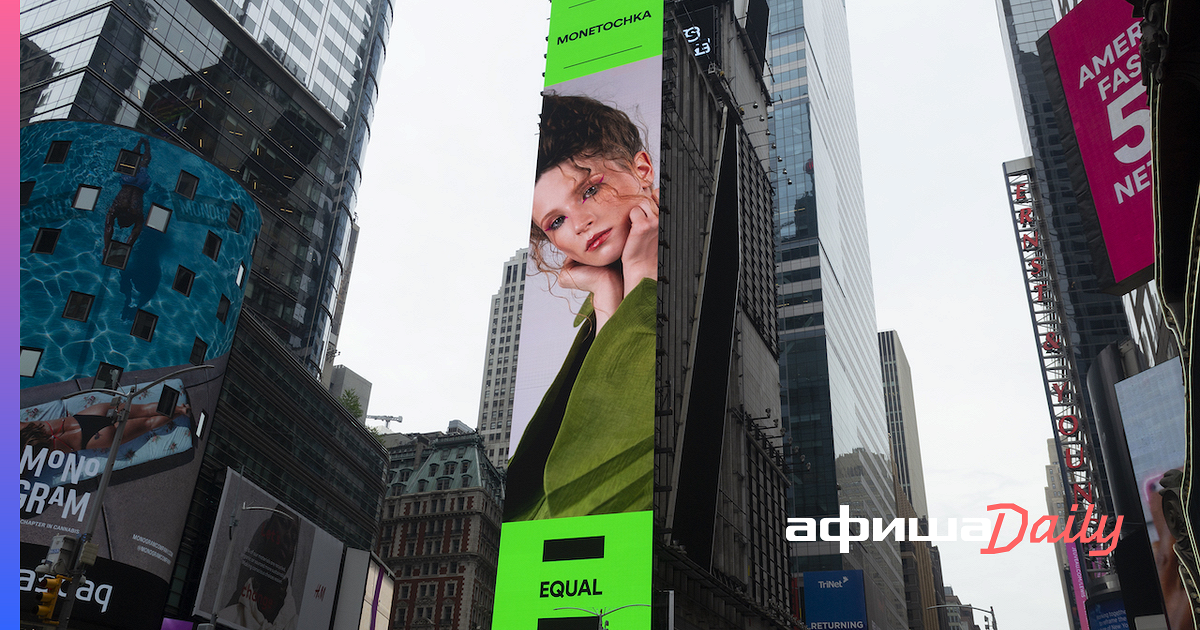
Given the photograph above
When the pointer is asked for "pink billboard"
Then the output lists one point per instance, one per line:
(1096, 52)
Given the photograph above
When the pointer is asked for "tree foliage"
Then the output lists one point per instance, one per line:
(351, 402)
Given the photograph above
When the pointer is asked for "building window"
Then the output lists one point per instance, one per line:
(79, 306)
(241, 274)
(58, 152)
(108, 376)
(45, 241)
(421, 483)
(212, 245)
(158, 218)
(27, 191)
(30, 358)
(450, 587)
(85, 197)
(223, 309)
(235, 218)
(183, 280)
(199, 351)
(443, 483)
(186, 185)
(143, 325)
(127, 162)
(116, 254)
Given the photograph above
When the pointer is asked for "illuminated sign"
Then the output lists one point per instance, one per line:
(1092, 63)
(576, 543)
(1058, 370)
(834, 600)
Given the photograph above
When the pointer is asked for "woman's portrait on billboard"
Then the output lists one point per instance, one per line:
(588, 447)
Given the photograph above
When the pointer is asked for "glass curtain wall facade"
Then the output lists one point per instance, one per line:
(1094, 319)
(290, 121)
(832, 401)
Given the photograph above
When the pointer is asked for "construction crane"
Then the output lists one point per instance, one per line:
(387, 420)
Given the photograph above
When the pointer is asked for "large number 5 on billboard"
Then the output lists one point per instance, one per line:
(1095, 51)
(1121, 123)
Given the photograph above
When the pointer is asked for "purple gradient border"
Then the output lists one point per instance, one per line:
(10, 309)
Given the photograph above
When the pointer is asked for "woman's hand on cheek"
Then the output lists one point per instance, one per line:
(604, 283)
(639, 259)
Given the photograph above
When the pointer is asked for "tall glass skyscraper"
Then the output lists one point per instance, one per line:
(279, 94)
(832, 400)
(279, 97)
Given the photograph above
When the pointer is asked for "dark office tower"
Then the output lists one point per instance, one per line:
(902, 420)
(500, 363)
(718, 476)
(836, 434)
(1094, 319)
(278, 95)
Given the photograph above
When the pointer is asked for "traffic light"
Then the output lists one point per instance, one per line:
(45, 602)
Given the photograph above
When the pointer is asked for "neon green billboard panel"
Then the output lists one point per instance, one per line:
(566, 573)
(589, 36)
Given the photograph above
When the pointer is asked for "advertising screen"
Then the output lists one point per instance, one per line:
(1152, 410)
(1095, 52)
(133, 251)
(142, 519)
(273, 569)
(834, 599)
(576, 542)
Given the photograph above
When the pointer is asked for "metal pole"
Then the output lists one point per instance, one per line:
(79, 570)
(233, 523)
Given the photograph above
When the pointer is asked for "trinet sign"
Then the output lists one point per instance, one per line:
(834, 600)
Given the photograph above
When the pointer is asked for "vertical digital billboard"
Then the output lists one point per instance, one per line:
(1093, 71)
(274, 570)
(575, 546)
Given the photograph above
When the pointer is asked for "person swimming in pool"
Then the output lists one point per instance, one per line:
(127, 209)
(93, 428)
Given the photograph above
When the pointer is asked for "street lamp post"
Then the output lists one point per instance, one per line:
(79, 568)
(991, 611)
(601, 624)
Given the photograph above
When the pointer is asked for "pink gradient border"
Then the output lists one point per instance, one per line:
(10, 311)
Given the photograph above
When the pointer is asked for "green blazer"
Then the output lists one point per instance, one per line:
(589, 448)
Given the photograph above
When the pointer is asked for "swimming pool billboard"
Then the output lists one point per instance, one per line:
(575, 546)
(133, 253)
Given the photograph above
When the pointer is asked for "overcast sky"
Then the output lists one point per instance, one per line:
(445, 201)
